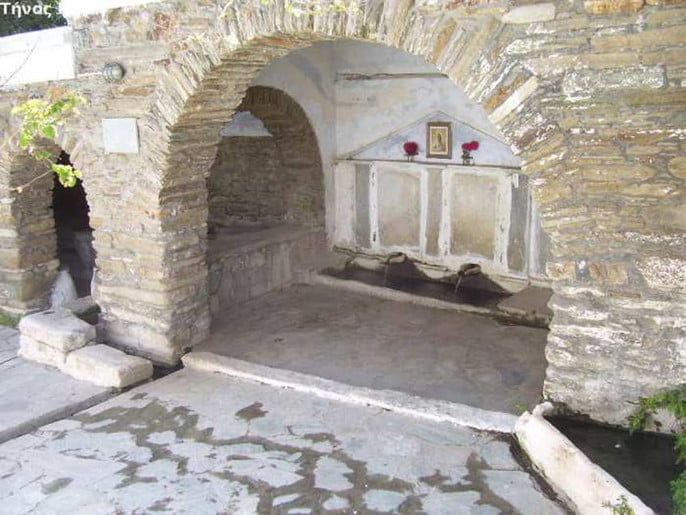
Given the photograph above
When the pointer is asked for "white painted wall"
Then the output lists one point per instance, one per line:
(494, 194)
(37, 56)
(368, 109)
(348, 112)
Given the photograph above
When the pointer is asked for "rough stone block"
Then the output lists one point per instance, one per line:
(106, 366)
(609, 273)
(84, 308)
(530, 13)
(60, 329)
(561, 271)
(612, 6)
(677, 167)
(34, 350)
(663, 273)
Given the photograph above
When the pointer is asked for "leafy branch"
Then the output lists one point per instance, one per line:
(674, 402)
(41, 120)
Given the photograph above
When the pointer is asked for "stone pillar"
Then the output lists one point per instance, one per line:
(28, 246)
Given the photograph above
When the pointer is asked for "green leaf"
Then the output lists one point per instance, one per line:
(48, 132)
(66, 174)
(24, 140)
(42, 155)
(678, 488)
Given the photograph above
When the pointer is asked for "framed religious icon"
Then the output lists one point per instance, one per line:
(439, 140)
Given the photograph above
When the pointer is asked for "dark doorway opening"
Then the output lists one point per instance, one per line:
(74, 233)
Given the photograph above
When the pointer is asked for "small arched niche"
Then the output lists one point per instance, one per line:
(265, 199)
(73, 232)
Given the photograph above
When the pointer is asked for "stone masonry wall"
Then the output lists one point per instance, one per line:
(244, 184)
(244, 272)
(269, 179)
(590, 94)
(28, 246)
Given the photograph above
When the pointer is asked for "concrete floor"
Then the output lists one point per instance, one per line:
(366, 341)
(196, 442)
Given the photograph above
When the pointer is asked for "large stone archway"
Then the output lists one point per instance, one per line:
(588, 94)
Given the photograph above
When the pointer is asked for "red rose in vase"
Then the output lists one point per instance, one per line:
(467, 149)
(410, 148)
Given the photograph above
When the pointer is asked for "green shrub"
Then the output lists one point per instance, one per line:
(674, 402)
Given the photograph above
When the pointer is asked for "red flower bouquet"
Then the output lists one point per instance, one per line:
(467, 149)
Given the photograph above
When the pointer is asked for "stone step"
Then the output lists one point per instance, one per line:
(60, 329)
(106, 366)
(33, 350)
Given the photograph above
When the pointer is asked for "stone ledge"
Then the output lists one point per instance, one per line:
(418, 407)
(579, 481)
(105, 366)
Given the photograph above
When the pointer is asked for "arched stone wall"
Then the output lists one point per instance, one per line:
(289, 191)
(588, 93)
(28, 260)
(533, 78)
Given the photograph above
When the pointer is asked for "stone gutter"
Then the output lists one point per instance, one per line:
(585, 486)
(401, 296)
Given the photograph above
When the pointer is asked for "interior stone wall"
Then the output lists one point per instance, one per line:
(589, 94)
(268, 180)
(245, 184)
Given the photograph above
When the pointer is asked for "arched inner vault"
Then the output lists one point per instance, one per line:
(583, 96)
(266, 201)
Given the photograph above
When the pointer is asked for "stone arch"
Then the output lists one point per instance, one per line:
(613, 265)
(29, 259)
(206, 81)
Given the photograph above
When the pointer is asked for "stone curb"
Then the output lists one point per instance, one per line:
(398, 402)
(576, 479)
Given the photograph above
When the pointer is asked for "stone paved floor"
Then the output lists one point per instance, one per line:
(195, 442)
(32, 394)
(366, 341)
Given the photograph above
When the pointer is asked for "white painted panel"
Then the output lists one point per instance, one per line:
(345, 221)
(37, 56)
(374, 207)
(423, 209)
(503, 219)
(401, 193)
(494, 202)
